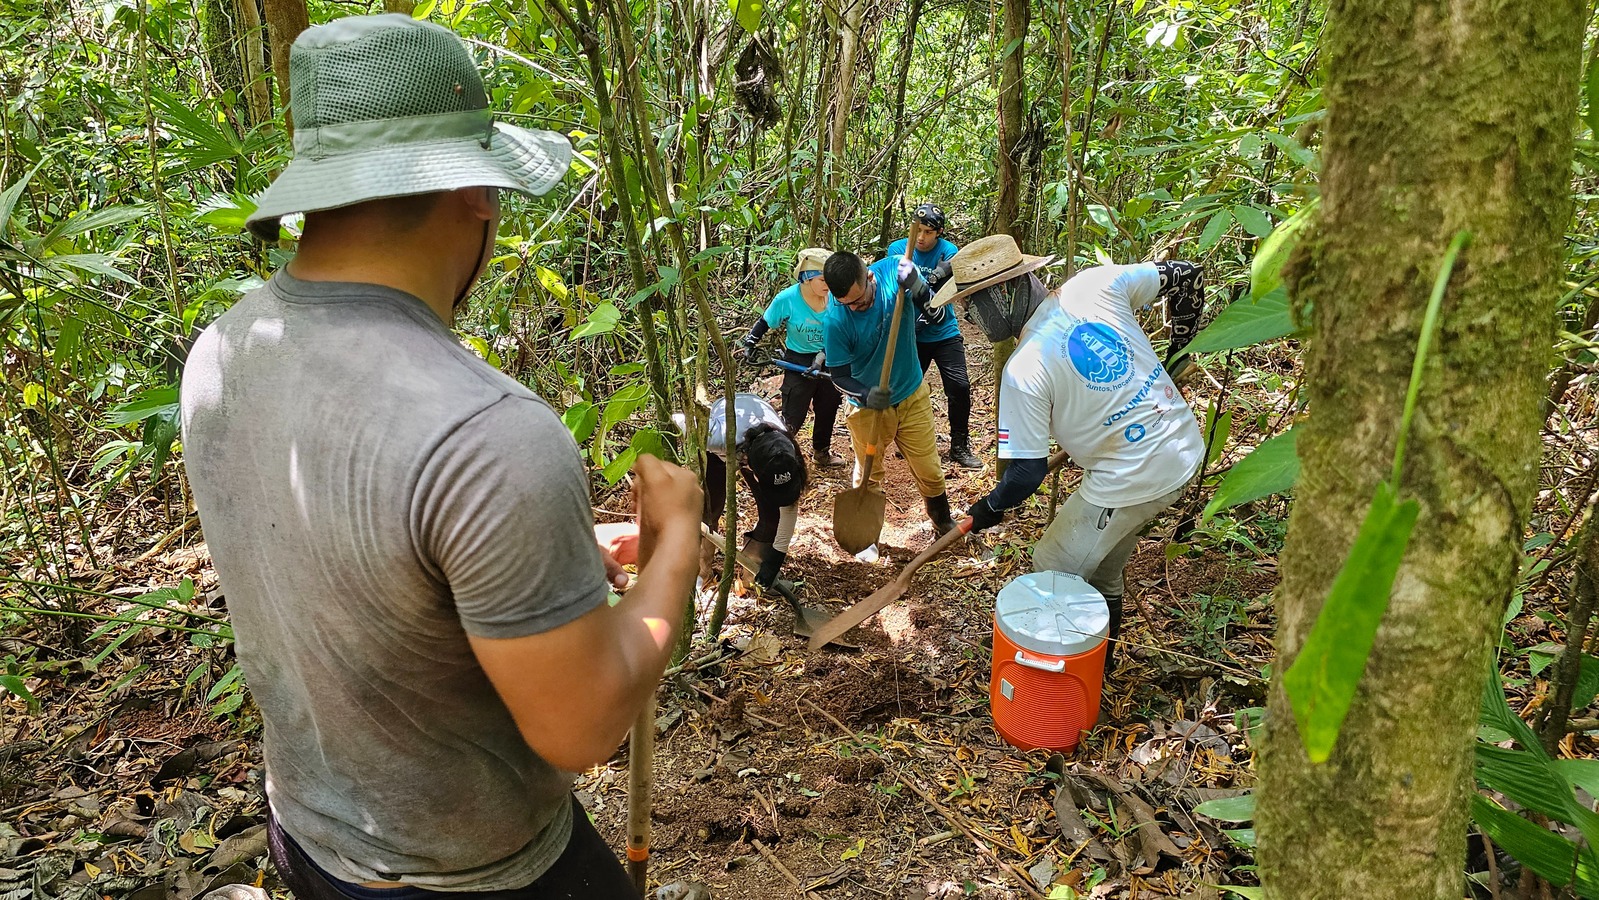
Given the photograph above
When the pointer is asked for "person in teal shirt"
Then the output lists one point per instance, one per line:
(799, 309)
(855, 336)
(938, 334)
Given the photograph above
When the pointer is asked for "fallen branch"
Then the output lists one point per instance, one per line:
(783, 870)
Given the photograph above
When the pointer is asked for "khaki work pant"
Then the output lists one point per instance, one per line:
(910, 427)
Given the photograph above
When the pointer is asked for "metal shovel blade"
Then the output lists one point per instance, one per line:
(858, 518)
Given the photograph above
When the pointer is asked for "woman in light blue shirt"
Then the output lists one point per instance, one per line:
(799, 310)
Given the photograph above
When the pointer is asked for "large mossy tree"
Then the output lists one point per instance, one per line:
(1441, 117)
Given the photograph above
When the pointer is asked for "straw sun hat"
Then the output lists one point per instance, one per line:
(387, 106)
(811, 259)
(983, 262)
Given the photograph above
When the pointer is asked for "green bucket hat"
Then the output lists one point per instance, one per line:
(387, 106)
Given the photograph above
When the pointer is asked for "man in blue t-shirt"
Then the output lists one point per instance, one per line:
(855, 336)
(938, 334)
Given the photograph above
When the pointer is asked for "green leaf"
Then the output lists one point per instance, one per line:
(85, 222)
(93, 263)
(1255, 221)
(1301, 157)
(1229, 809)
(1270, 468)
(1102, 217)
(1583, 773)
(619, 466)
(1248, 893)
(1217, 435)
(160, 432)
(1587, 683)
(225, 682)
(625, 402)
(1266, 271)
(1495, 712)
(15, 685)
(1322, 681)
(551, 280)
(10, 196)
(1243, 837)
(1245, 322)
(225, 212)
(748, 13)
(1527, 777)
(1590, 91)
(1214, 229)
(1544, 852)
(581, 418)
(153, 402)
(603, 320)
(668, 283)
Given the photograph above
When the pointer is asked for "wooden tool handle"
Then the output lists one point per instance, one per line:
(835, 627)
(640, 785)
(899, 307)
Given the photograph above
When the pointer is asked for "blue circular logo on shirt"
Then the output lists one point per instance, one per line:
(1134, 433)
(1100, 355)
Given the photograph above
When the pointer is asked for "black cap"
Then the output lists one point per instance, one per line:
(929, 215)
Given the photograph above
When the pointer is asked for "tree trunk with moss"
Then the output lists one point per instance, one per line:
(1012, 112)
(252, 58)
(285, 19)
(849, 42)
(1441, 116)
(219, 44)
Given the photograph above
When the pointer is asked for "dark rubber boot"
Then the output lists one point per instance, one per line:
(938, 511)
(960, 453)
(1114, 637)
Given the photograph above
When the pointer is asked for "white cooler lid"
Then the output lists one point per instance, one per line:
(1053, 613)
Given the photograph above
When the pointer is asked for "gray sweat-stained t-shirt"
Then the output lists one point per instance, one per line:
(371, 493)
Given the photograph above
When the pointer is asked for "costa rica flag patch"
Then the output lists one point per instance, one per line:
(1004, 435)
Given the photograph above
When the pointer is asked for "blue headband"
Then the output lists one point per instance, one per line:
(808, 274)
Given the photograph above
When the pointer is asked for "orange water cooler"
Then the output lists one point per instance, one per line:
(1049, 660)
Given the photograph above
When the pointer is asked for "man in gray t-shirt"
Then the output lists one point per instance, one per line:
(403, 534)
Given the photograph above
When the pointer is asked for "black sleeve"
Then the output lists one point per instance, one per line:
(844, 381)
(1182, 286)
(757, 331)
(918, 293)
(1022, 478)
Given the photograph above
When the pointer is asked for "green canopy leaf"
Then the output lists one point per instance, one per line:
(1244, 323)
(1322, 681)
(1270, 468)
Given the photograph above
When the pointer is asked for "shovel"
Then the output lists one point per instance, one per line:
(892, 591)
(806, 618)
(858, 512)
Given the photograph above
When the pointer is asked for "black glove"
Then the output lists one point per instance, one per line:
(939, 275)
(746, 348)
(771, 564)
(812, 373)
(984, 515)
(877, 398)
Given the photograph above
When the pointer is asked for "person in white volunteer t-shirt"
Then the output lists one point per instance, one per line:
(1084, 373)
